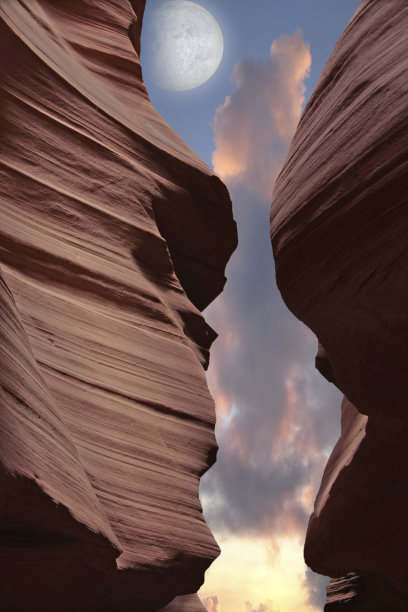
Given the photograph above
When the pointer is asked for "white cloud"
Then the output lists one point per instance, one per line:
(254, 126)
(212, 604)
(278, 415)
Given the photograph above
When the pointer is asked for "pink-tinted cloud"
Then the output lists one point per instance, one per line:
(254, 126)
(212, 604)
(278, 416)
(276, 423)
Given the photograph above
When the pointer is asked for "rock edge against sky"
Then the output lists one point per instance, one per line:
(339, 224)
(114, 235)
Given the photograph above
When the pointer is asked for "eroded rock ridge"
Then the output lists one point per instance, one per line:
(113, 236)
(339, 228)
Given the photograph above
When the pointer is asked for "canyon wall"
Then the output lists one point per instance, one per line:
(114, 236)
(339, 227)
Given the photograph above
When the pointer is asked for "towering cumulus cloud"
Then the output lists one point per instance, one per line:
(259, 472)
(254, 126)
(271, 456)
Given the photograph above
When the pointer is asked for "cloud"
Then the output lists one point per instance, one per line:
(315, 585)
(212, 604)
(277, 417)
(261, 608)
(254, 126)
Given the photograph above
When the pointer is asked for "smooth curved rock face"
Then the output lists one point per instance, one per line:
(359, 519)
(340, 216)
(113, 234)
(339, 226)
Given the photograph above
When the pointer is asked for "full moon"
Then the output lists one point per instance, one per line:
(185, 45)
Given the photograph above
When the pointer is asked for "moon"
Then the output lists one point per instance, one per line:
(185, 45)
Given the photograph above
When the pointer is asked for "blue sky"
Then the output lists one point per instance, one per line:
(248, 29)
(277, 418)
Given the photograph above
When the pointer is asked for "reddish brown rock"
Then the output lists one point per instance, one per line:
(354, 593)
(113, 235)
(53, 530)
(339, 224)
(339, 217)
(360, 512)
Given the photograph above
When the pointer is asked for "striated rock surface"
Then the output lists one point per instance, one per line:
(360, 513)
(113, 236)
(48, 504)
(353, 593)
(339, 227)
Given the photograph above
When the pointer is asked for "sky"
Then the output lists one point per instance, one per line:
(277, 418)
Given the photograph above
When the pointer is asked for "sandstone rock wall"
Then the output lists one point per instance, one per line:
(339, 227)
(113, 236)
